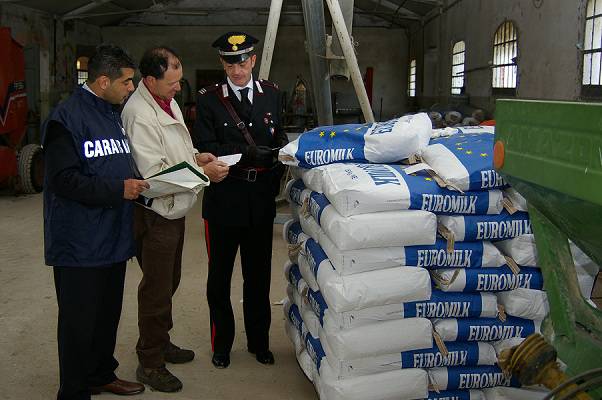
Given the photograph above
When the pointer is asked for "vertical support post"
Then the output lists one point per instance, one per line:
(315, 31)
(338, 67)
(339, 23)
(270, 39)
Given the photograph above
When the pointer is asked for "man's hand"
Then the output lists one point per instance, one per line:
(133, 187)
(203, 159)
(260, 156)
(216, 170)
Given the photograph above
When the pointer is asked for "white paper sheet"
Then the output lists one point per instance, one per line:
(230, 159)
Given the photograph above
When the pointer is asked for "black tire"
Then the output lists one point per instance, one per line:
(31, 169)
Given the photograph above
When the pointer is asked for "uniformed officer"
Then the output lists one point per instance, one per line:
(240, 115)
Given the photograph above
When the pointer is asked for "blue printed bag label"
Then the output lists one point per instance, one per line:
(458, 354)
(445, 305)
(492, 329)
(464, 255)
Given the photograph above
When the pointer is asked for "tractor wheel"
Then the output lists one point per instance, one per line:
(31, 169)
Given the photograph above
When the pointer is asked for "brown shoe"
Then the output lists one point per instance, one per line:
(119, 387)
(159, 379)
(176, 355)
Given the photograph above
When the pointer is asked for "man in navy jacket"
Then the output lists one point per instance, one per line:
(88, 215)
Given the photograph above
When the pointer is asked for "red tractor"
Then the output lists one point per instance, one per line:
(21, 165)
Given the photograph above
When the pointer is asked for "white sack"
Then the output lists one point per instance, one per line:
(518, 201)
(525, 303)
(487, 227)
(511, 393)
(484, 329)
(484, 376)
(379, 142)
(312, 178)
(465, 160)
(521, 249)
(296, 192)
(366, 289)
(524, 251)
(306, 364)
(392, 385)
(365, 188)
(291, 230)
(487, 279)
(357, 231)
(307, 273)
(456, 395)
(311, 227)
(379, 338)
(294, 336)
(465, 255)
(506, 344)
(311, 321)
(440, 305)
(459, 354)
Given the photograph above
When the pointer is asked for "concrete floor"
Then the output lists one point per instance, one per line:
(29, 367)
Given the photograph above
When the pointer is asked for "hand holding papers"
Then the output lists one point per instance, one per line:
(179, 178)
(230, 159)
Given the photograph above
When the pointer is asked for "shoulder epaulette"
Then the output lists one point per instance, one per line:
(270, 84)
(208, 89)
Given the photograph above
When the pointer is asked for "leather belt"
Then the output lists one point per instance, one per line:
(247, 174)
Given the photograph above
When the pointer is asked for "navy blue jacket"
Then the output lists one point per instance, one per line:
(87, 223)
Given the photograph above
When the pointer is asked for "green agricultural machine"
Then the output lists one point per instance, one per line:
(551, 152)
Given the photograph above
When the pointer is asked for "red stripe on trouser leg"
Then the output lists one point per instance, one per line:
(212, 337)
(207, 241)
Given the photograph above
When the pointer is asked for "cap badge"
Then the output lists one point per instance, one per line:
(235, 40)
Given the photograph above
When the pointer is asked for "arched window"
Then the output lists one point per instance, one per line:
(457, 71)
(505, 52)
(412, 79)
(81, 65)
(592, 46)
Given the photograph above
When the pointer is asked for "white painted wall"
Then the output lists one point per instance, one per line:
(549, 60)
(382, 49)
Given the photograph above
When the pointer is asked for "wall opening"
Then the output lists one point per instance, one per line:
(457, 72)
(81, 65)
(505, 53)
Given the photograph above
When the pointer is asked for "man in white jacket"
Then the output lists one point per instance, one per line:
(159, 140)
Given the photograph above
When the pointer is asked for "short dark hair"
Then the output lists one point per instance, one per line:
(156, 61)
(109, 60)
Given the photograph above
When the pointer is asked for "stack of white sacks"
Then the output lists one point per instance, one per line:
(381, 307)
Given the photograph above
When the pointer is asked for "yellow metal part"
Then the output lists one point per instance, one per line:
(533, 362)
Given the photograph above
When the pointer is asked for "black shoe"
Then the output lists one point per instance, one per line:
(264, 357)
(221, 360)
(159, 379)
(176, 355)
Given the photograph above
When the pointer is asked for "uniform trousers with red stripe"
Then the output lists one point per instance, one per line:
(255, 243)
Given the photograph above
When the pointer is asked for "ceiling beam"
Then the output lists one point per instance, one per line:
(429, 2)
(85, 8)
(392, 6)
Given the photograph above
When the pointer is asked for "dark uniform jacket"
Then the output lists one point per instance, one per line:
(234, 201)
(87, 223)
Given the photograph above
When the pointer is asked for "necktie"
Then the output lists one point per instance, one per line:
(244, 99)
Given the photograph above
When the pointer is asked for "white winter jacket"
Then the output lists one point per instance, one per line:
(158, 142)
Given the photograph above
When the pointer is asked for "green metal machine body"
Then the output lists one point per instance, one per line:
(551, 152)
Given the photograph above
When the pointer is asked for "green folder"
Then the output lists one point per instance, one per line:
(180, 166)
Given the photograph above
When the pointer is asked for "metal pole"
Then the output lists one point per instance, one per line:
(338, 67)
(345, 40)
(270, 39)
(315, 31)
